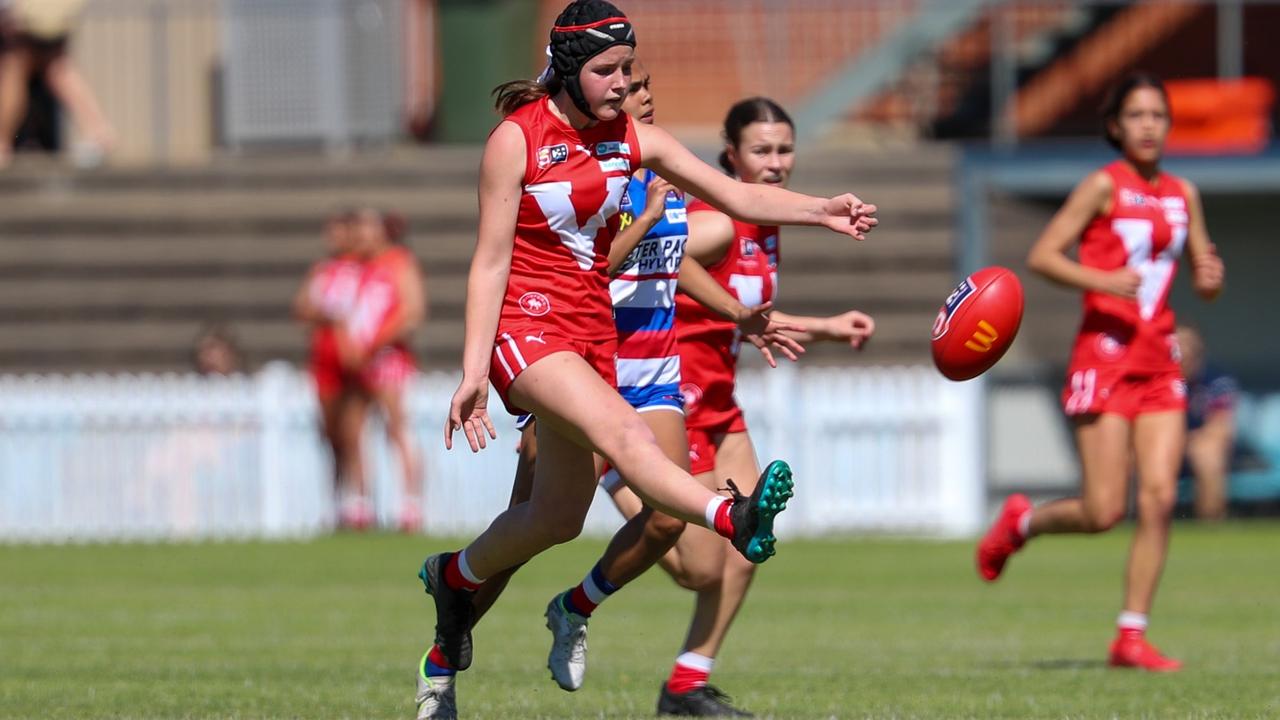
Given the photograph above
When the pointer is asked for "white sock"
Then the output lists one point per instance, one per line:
(1024, 525)
(713, 508)
(465, 569)
(694, 661)
(1132, 621)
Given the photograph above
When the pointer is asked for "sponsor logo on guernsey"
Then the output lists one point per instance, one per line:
(1175, 210)
(549, 155)
(942, 323)
(771, 243)
(613, 148)
(1179, 388)
(676, 216)
(535, 304)
(748, 247)
(615, 165)
(1129, 198)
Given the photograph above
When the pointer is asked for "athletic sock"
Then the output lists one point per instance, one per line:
(458, 575)
(718, 517)
(1132, 623)
(1024, 525)
(587, 596)
(689, 673)
(436, 664)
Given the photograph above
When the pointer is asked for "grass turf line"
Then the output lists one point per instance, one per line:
(839, 628)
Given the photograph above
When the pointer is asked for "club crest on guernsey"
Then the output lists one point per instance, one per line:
(549, 155)
(957, 297)
(535, 304)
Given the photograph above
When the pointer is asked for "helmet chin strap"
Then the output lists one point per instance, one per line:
(574, 88)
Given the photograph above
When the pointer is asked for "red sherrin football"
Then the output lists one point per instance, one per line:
(977, 323)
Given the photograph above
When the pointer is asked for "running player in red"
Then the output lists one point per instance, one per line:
(373, 345)
(1124, 392)
(540, 318)
(324, 301)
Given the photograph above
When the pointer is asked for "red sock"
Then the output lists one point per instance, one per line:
(685, 678)
(723, 520)
(435, 657)
(454, 578)
(1131, 633)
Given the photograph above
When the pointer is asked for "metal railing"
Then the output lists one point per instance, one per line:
(179, 457)
(182, 78)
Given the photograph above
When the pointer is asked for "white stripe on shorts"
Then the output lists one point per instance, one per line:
(515, 351)
(498, 351)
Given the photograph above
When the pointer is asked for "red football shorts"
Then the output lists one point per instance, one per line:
(704, 441)
(325, 368)
(389, 371)
(1121, 392)
(514, 350)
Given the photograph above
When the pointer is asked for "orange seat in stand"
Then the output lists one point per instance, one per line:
(1214, 116)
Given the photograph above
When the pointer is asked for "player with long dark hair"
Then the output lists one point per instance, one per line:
(1125, 392)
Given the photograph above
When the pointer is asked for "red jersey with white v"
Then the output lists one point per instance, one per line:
(708, 343)
(1146, 231)
(334, 286)
(332, 290)
(379, 297)
(573, 184)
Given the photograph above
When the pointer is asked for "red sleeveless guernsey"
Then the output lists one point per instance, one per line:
(557, 296)
(709, 343)
(573, 184)
(1145, 230)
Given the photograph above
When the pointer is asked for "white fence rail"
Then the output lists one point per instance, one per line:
(89, 458)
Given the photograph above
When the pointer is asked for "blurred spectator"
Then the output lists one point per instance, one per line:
(217, 352)
(33, 41)
(1211, 425)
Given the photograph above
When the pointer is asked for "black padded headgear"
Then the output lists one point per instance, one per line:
(585, 29)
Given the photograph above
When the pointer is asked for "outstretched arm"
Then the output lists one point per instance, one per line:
(853, 327)
(750, 202)
(759, 327)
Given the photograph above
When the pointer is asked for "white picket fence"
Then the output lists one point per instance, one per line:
(89, 458)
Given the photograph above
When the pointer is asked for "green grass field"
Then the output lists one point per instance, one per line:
(842, 628)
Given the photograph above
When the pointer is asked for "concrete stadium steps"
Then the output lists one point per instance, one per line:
(119, 268)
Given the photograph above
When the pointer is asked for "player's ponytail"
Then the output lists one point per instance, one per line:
(744, 113)
(1115, 101)
(513, 95)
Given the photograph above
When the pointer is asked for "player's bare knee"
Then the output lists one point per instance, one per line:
(562, 529)
(700, 579)
(1157, 502)
(630, 444)
(1102, 519)
(663, 528)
